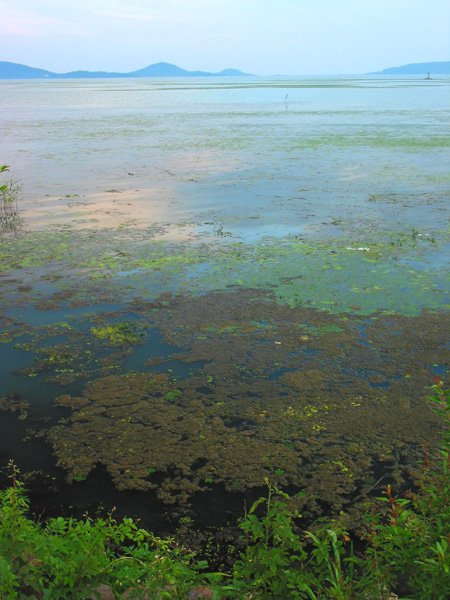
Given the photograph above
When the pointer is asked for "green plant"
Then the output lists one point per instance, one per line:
(412, 550)
(17, 579)
(68, 558)
(9, 212)
(278, 563)
(270, 565)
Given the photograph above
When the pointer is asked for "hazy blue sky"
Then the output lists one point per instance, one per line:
(257, 36)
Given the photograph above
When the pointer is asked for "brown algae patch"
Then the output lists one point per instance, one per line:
(14, 403)
(327, 404)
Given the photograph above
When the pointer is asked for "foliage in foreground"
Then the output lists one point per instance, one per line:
(407, 553)
(9, 212)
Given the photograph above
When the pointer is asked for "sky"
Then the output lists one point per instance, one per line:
(263, 37)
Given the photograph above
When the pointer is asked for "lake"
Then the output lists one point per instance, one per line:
(215, 281)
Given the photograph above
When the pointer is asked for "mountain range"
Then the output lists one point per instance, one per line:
(9, 70)
(434, 68)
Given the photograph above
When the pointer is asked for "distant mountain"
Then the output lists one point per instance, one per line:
(9, 70)
(434, 68)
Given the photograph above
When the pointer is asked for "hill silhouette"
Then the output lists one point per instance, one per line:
(9, 70)
(434, 68)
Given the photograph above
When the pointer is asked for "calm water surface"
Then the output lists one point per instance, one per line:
(258, 156)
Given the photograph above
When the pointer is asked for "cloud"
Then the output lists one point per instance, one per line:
(22, 23)
(120, 15)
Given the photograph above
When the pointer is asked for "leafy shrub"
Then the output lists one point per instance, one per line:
(9, 192)
(67, 558)
(272, 561)
(412, 550)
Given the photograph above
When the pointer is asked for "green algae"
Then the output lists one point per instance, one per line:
(334, 277)
(365, 274)
(119, 334)
(394, 141)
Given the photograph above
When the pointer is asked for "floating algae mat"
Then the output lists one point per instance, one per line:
(269, 298)
(324, 425)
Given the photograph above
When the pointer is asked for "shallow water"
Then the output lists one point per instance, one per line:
(231, 152)
(279, 267)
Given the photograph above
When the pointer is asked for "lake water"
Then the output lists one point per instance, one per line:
(257, 156)
(218, 280)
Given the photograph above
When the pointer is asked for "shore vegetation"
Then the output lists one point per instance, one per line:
(9, 209)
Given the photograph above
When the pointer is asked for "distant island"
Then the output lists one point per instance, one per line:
(433, 68)
(9, 70)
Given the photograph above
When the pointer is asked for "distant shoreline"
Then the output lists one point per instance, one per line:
(9, 70)
(433, 68)
(16, 71)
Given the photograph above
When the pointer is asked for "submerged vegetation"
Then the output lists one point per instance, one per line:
(403, 551)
